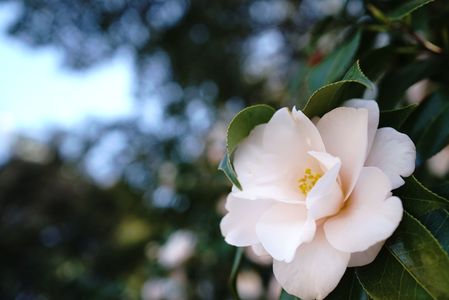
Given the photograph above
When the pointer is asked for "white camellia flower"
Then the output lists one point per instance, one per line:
(317, 197)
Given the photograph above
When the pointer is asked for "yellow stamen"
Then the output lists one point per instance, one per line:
(307, 182)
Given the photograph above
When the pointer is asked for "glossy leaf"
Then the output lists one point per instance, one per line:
(421, 256)
(393, 86)
(423, 116)
(442, 189)
(349, 288)
(377, 61)
(419, 200)
(335, 65)
(228, 170)
(438, 224)
(436, 136)
(405, 9)
(387, 279)
(395, 117)
(332, 95)
(242, 124)
(355, 73)
(428, 126)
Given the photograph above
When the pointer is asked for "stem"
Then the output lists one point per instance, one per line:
(423, 42)
(404, 26)
(234, 272)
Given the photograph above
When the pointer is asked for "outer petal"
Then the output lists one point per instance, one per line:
(359, 259)
(326, 197)
(270, 160)
(282, 228)
(373, 115)
(394, 153)
(315, 270)
(369, 216)
(345, 134)
(239, 225)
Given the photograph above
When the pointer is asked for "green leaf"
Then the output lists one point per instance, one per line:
(387, 279)
(349, 288)
(239, 128)
(413, 265)
(335, 65)
(242, 124)
(332, 95)
(419, 200)
(394, 85)
(286, 296)
(396, 117)
(436, 136)
(355, 73)
(425, 114)
(442, 189)
(376, 62)
(234, 273)
(428, 126)
(421, 256)
(405, 9)
(228, 170)
(437, 222)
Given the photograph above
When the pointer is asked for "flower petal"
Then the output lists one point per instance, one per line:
(239, 225)
(373, 116)
(326, 197)
(282, 228)
(259, 250)
(326, 160)
(394, 153)
(315, 270)
(370, 215)
(308, 130)
(270, 160)
(345, 134)
(362, 258)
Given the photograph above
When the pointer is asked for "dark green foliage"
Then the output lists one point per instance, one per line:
(62, 236)
(349, 288)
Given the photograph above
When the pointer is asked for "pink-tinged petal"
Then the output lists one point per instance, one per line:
(293, 129)
(326, 197)
(270, 160)
(308, 131)
(345, 134)
(394, 153)
(373, 116)
(282, 228)
(369, 216)
(239, 225)
(259, 250)
(326, 160)
(315, 270)
(362, 258)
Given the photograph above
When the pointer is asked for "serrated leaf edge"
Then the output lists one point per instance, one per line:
(369, 86)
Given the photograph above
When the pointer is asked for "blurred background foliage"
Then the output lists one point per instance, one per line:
(130, 209)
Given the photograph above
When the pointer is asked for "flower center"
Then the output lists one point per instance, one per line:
(307, 182)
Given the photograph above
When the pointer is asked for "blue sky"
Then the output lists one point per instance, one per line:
(37, 93)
